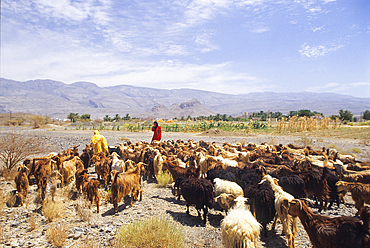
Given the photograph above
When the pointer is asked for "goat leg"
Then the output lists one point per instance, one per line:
(205, 212)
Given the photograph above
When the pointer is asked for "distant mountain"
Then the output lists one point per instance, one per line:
(57, 99)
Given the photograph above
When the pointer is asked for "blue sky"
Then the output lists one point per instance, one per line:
(227, 46)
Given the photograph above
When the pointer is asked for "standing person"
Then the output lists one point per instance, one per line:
(99, 143)
(157, 132)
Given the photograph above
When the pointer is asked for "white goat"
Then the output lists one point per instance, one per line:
(239, 228)
(227, 162)
(228, 187)
(117, 164)
(282, 200)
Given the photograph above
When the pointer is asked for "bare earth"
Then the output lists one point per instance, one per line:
(16, 229)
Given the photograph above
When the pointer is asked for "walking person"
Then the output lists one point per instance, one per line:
(99, 143)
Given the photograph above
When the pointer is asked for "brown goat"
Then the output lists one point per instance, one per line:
(337, 232)
(21, 181)
(91, 189)
(360, 192)
(79, 179)
(316, 184)
(126, 183)
(175, 170)
(102, 167)
(69, 168)
(42, 168)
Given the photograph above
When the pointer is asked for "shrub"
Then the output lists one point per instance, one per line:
(37, 121)
(16, 147)
(52, 210)
(57, 235)
(164, 179)
(355, 150)
(155, 231)
(304, 141)
(83, 209)
(32, 222)
(9, 175)
(11, 199)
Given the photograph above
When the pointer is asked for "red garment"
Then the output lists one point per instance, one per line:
(157, 133)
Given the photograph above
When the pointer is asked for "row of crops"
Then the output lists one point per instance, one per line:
(293, 124)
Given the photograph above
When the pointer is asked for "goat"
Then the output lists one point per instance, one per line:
(124, 184)
(158, 162)
(117, 163)
(21, 181)
(102, 167)
(360, 192)
(337, 232)
(226, 201)
(282, 200)
(239, 228)
(68, 169)
(224, 186)
(79, 179)
(198, 192)
(91, 189)
(315, 183)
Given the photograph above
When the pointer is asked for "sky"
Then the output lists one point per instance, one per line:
(226, 46)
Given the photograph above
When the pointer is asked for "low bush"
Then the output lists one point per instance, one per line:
(52, 210)
(83, 209)
(164, 179)
(156, 231)
(57, 235)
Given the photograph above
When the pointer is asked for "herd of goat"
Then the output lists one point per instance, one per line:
(254, 183)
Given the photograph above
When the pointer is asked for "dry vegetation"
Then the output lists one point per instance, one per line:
(164, 179)
(155, 231)
(16, 147)
(57, 234)
(53, 210)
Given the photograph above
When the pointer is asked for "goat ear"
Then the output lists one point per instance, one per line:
(285, 204)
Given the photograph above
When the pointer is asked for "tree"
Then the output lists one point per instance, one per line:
(72, 117)
(38, 120)
(116, 118)
(85, 117)
(107, 118)
(366, 115)
(293, 113)
(126, 117)
(345, 115)
(305, 112)
(16, 147)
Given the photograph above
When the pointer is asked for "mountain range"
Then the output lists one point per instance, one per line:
(58, 99)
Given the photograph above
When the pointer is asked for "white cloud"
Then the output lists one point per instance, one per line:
(203, 40)
(318, 51)
(260, 30)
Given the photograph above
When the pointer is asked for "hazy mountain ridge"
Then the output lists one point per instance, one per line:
(57, 99)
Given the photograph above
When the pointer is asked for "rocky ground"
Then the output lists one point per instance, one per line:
(26, 227)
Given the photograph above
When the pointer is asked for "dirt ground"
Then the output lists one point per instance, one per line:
(27, 227)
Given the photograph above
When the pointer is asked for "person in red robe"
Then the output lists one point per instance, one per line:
(157, 132)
